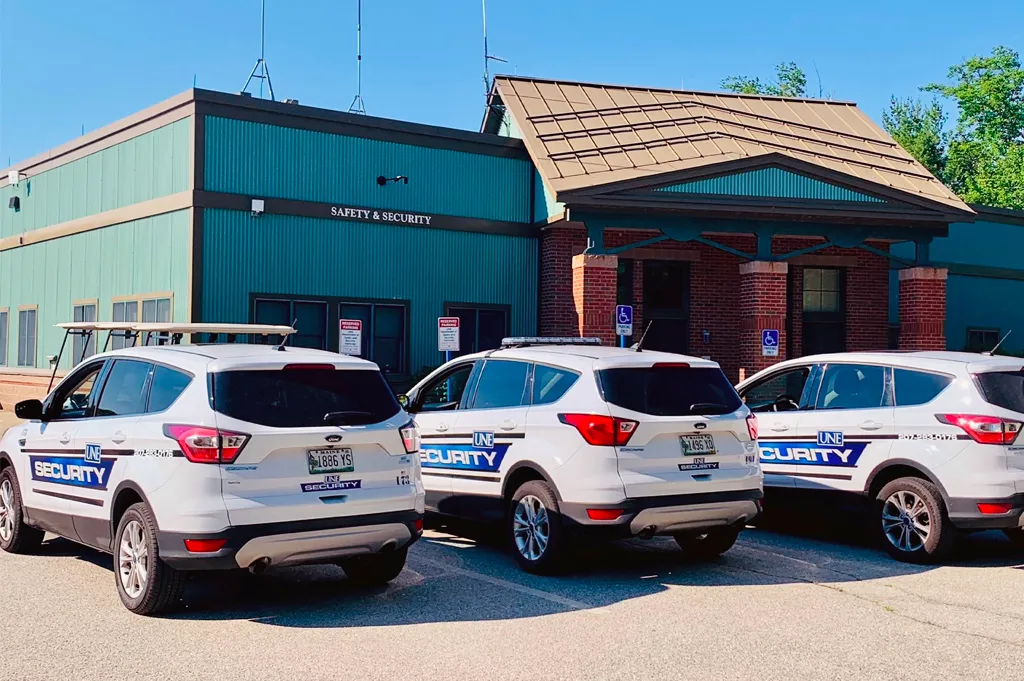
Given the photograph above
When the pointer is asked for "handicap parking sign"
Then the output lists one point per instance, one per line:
(623, 320)
(770, 342)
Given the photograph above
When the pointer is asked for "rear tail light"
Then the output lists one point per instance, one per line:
(604, 513)
(204, 545)
(994, 509)
(418, 524)
(752, 426)
(988, 430)
(410, 437)
(201, 444)
(601, 430)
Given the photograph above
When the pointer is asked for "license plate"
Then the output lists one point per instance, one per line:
(330, 461)
(697, 444)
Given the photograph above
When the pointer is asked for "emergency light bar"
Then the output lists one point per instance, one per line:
(524, 341)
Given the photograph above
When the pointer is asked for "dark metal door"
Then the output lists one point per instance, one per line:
(666, 309)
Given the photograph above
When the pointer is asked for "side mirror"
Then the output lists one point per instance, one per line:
(29, 410)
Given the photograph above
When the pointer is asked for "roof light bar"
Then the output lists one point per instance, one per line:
(522, 341)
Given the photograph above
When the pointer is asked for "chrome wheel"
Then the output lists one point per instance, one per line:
(6, 511)
(531, 527)
(133, 559)
(906, 521)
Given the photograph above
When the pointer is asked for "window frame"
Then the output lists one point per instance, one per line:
(524, 398)
(76, 358)
(73, 380)
(416, 404)
(894, 401)
(35, 336)
(476, 307)
(548, 365)
(807, 388)
(312, 300)
(141, 299)
(887, 386)
(5, 331)
(983, 330)
(146, 386)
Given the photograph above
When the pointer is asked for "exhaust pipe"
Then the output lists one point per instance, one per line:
(389, 545)
(259, 566)
(647, 532)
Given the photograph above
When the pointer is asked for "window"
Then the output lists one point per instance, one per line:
(821, 290)
(446, 392)
(308, 316)
(77, 398)
(1003, 389)
(83, 346)
(3, 337)
(852, 386)
(124, 311)
(502, 383)
(781, 392)
(384, 333)
(167, 385)
(624, 282)
(824, 321)
(549, 383)
(982, 340)
(918, 387)
(300, 398)
(26, 338)
(156, 310)
(124, 391)
(479, 328)
(669, 391)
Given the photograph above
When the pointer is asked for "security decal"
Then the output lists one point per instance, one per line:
(72, 470)
(463, 457)
(812, 454)
(331, 483)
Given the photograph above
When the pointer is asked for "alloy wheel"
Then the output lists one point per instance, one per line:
(6, 510)
(906, 521)
(133, 559)
(531, 527)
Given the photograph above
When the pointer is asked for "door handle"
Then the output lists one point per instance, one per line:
(119, 437)
(507, 424)
(441, 427)
(870, 425)
(779, 427)
(65, 438)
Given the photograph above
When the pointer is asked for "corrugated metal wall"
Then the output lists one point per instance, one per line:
(276, 254)
(145, 256)
(243, 157)
(146, 167)
(770, 183)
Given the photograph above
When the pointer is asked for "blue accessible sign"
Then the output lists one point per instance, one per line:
(623, 320)
(770, 342)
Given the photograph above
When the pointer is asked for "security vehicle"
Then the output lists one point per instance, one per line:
(929, 437)
(181, 457)
(564, 438)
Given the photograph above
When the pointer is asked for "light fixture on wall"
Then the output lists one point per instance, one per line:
(706, 335)
(14, 203)
(381, 180)
(257, 208)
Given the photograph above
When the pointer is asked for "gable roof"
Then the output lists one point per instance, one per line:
(582, 136)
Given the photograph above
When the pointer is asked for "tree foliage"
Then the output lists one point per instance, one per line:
(790, 81)
(920, 129)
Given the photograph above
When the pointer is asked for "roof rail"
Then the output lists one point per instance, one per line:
(525, 341)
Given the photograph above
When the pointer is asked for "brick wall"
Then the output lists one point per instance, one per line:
(762, 305)
(557, 247)
(593, 292)
(15, 387)
(922, 308)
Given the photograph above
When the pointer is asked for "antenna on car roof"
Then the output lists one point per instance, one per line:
(993, 350)
(639, 347)
(284, 339)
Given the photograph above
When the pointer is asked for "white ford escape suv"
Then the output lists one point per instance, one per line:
(194, 457)
(562, 436)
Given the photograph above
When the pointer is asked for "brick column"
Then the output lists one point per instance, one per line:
(923, 308)
(593, 293)
(762, 306)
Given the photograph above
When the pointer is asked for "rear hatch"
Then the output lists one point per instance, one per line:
(691, 433)
(324, 441)
(1001, 384)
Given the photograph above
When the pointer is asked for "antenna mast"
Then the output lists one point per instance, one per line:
(357, 106)
(488, 57)
(261, 63)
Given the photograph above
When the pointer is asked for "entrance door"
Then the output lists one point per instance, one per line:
(666, 305)
(823, 314)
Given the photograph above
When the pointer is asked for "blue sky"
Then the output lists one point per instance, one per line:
(65, 64)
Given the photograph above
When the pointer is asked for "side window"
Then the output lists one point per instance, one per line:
(125, 390)
(446, 392)
(502, 383)
(549, 383)
(918, 387)
(779, 392)
(167, 385)
(76, 400)
(852, 386)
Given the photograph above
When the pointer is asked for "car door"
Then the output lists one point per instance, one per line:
(106, 439)
(777, 399)
(54, 468)
(850, 429)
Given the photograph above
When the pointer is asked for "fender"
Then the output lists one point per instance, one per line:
(123, 485)
(528, 464)
(889, 463)
(5, 460)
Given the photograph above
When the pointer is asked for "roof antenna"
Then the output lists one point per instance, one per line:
(357, 106)
(639, 347)
(261, 63)
(488, 57)
(993, 350)
(284, 338)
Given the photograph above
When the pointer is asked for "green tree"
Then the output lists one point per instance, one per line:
(790, 81)
(920, 129)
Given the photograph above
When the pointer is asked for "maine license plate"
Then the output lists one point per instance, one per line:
(330, 461)
(697, 444)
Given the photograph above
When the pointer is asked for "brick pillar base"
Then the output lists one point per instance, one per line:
(762, 306)
(923, 308)
(593, 293)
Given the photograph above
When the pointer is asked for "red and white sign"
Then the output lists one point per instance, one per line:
(448, 334)
(350, 336)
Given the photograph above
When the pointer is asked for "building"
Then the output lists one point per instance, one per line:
(717, 216)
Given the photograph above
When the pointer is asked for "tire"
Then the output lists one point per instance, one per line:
(707, 545)
(15, 535)
(157, 587)
(376, 569)
(1016, 536)
(913, 524)
(539, 542)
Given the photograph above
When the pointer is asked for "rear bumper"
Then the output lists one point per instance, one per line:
(964, 513)
(294, 543)
(665, 514)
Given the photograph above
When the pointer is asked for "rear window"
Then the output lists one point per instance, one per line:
(1003, 388)
(669, 391)
(301, 398)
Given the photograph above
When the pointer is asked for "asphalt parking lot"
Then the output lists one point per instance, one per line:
(780, 605)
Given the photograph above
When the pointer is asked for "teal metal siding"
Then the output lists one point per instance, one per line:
(544, 201)
(146, 167)
(249, 158)
(772, 183)
(141, 257)
(277, 254)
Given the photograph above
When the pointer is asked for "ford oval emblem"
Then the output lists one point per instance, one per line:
(333, 438)
(700, 426)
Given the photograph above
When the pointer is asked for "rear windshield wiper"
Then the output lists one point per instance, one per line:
(347, 418)
(708, 408)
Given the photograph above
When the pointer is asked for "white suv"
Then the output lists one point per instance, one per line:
(562, 437)
(193, 457)
(929, 437)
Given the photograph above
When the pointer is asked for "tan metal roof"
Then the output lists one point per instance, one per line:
(583, 135)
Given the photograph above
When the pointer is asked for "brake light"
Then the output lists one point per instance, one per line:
(201, 444)
(410, 437)
(601, 430)
(988, 430)
(670, 365)
(604, 513)
(309, 367)
(752, 426)
(204, 545)
(994, 509)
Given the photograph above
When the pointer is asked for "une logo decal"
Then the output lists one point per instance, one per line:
(93, 453)
(830, 438)
(483, 440)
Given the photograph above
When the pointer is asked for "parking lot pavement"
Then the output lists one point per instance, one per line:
(778, 606)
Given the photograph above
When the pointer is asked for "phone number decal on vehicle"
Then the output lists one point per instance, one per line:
(943, 437)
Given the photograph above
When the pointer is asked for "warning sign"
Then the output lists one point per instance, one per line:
(448, 334)
(350, 337)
